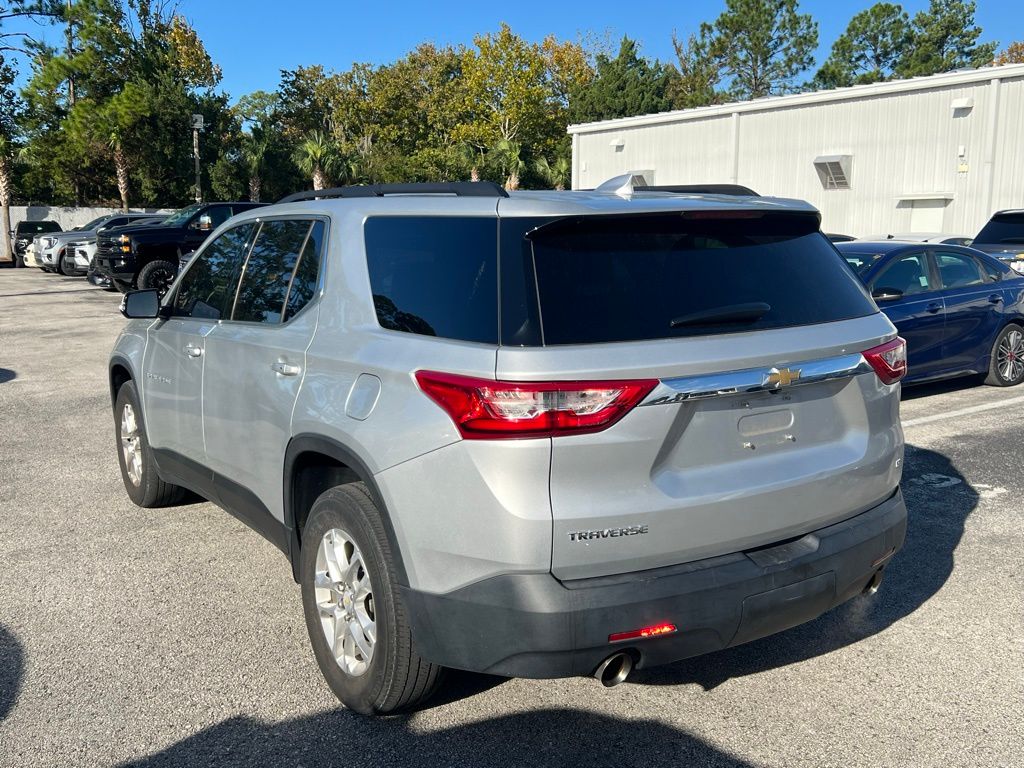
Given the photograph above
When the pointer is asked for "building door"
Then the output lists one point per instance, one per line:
(927, 215)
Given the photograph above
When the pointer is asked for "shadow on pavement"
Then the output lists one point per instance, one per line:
(549, 737)
(942, 387)
(6, 374)
(12, 667)
(939, 500)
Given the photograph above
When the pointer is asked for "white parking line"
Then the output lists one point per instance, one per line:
(962, 412)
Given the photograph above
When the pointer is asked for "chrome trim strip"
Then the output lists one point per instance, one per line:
(751, 380)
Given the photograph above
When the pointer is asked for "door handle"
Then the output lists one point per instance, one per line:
(933, 307)
(995, 298)
(193, 351)
(284, 369)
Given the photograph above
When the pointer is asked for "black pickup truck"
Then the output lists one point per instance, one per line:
(146, 257)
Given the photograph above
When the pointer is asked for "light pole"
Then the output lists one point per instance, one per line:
(197, 126)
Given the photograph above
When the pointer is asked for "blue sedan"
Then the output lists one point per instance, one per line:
(960, 310)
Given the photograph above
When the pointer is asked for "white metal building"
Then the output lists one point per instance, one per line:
(930, 154)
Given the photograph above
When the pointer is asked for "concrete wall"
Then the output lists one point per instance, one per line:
(68, 217)
(915, 158)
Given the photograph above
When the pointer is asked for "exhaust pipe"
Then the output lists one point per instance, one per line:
(873, 583)
(614, 670)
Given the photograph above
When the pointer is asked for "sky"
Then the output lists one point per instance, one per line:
(253, 40)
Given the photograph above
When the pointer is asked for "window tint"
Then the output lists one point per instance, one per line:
(620, 278)
(208, 287)
(1003, 228)
(993, 269)
(306, 275)
(958, 270)
(268, 271)
(908, 274)
(218, 215)
(435, 276)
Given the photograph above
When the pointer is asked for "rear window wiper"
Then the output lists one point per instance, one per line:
(732, 313)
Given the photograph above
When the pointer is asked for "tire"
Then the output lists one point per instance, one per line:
(157, 275)
(59, 265)
(1006, 363)
(144, 486)
(394, 678)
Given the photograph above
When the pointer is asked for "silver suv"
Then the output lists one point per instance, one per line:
(536, 434)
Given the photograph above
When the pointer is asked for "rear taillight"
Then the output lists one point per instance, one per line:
(889, 360)
(488, 410)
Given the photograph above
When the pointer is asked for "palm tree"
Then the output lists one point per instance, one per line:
(317, 157)
(255, 147)
(471, 157)
(555, 174)
(120, 167)
(507, 154)
(5, 194)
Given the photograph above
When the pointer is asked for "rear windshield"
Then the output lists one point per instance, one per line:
(30, 227)
(1005, 228)
(623, 278)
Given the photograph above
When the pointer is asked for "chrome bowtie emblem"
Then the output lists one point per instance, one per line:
(781, 377)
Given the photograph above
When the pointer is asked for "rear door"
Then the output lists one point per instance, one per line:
(918, 316)
(973, 310)
(176, 350)
(255, 364)
(764, 423)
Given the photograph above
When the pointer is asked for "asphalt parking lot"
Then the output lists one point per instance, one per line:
(175, 637)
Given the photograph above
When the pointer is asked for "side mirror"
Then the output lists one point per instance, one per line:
(205, 222)
(141, 304)
(887, 294)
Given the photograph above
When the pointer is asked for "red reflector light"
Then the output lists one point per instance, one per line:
(639, 634)
(488, 409)
(889, 360)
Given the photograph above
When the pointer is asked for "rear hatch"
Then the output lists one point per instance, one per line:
(759, 418)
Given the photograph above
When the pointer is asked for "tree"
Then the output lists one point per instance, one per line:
(556, 174)
(765, 44)
(699, 60)
(1012, 54)
(318, 157)
(508, 159)
(8, 117)
(622, 87)
(944, 38)
(869, 50)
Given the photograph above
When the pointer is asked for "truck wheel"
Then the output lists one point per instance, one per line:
(1006, 363)
(58, 266)
(138, 470)
(354, 614)
(157, 275)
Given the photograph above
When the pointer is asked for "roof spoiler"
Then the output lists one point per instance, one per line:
(456, 188)
(634, 181)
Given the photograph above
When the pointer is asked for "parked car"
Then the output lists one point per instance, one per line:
(921, 237)
(1003, 238)
(78, 253)
(960, 310)
(147, 256)
(671, 426)
(24, 232)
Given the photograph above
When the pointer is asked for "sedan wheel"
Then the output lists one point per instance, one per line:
(1007, 364)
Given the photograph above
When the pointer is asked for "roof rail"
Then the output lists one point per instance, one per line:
(457, 188)
(701, 189)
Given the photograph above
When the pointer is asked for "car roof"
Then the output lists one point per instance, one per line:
(538, 203)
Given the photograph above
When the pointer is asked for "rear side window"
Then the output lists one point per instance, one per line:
(435, 275)
(958, 270)
(657, 276)
(307, 273)
(208, 287)
(268, 271)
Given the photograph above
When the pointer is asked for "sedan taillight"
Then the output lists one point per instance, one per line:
(484, 409)
(889, 360)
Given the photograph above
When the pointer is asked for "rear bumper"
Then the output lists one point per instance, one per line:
(532, 625)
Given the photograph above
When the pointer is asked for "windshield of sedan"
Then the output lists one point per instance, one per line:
(178, 218)
(94, 223)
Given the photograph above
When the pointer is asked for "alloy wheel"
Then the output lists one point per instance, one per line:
(344, 600)
(1010, 356)
(161, 280)
(131, 446)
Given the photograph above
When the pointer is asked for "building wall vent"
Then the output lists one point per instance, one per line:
(834, 171)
